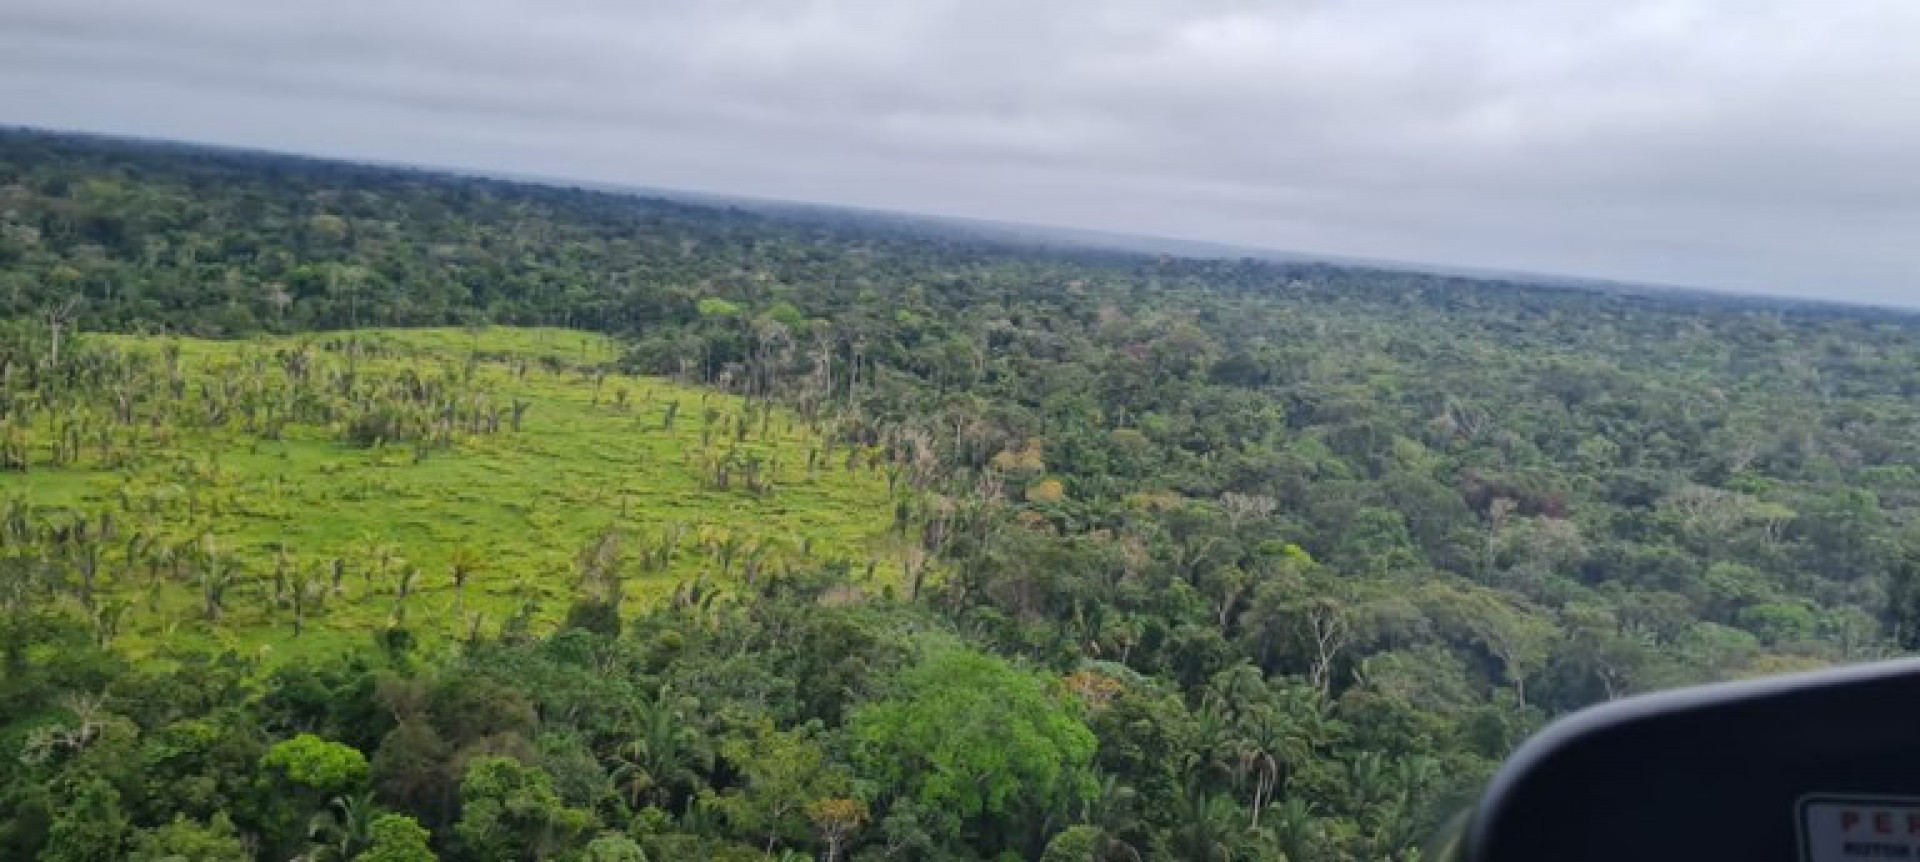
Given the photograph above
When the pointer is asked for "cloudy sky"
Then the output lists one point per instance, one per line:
(1743, 144)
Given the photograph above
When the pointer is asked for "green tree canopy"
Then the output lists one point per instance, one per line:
(509, 811)
(397, 838)
(323, 765)
(185, 840)
(972, 733)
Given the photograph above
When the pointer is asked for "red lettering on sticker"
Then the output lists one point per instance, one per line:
(1849, 819)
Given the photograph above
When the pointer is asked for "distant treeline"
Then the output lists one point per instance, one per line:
(1213, 559)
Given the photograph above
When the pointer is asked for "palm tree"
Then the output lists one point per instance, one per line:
(1230, 691)
(215, 577)
(1400, 824)
(1258, 762)
(1295, 830)
(1111, 809)
(384, 555)
(463, 563)
(1269, 743)
(343, 830)
(1369, 779)
(629, 773)
(662, 749)
(58, 316)
(309, 592)
(1209, 827)
(1213, 746)
(106, 620)
(402, 590)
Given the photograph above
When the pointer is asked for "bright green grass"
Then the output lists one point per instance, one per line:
(526, 502)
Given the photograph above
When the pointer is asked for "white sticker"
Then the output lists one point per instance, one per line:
(1859, 828)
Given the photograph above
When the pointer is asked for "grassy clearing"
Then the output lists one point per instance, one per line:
(594, 451)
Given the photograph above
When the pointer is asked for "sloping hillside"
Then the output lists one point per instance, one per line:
(289, 493)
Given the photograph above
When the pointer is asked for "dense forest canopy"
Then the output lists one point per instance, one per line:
(1199, 559)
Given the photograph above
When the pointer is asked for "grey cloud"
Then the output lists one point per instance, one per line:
(1762, 145)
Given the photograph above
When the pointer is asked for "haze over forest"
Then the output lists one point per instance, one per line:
(377, 514)
(1754, 147)
(954, 431)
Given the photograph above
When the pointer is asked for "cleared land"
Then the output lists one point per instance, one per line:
(360, 533)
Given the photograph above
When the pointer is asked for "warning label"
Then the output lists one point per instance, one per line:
(1859, 828)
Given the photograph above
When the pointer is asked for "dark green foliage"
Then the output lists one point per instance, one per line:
(509, 811)
(89, 826)
(187, 841)
(396, 838)
(594, 615)
(1189, 559)
(1075, 844)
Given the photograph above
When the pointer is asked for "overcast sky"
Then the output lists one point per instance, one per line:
(1744, 144)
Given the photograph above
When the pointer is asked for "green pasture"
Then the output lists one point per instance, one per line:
(594, 451)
